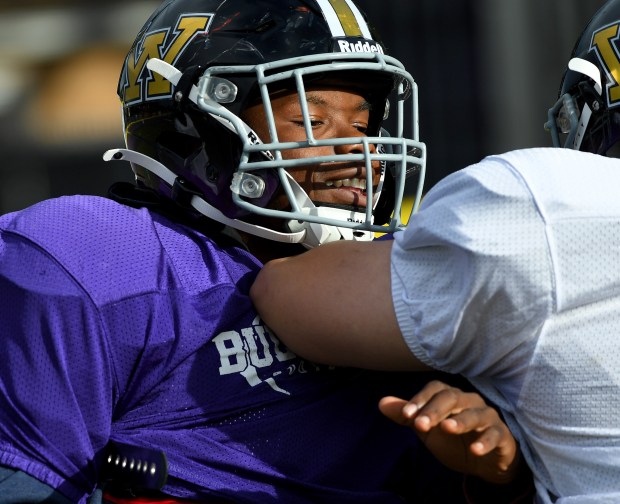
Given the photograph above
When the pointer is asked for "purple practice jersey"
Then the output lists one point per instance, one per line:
(118, 324)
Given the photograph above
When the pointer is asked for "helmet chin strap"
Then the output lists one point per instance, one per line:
(308, 234)
(318, 234)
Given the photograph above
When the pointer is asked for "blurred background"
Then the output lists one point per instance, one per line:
(487, 71)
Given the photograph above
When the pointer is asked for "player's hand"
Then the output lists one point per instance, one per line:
(460, 429)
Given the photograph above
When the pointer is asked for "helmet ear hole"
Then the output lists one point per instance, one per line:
(179, 146)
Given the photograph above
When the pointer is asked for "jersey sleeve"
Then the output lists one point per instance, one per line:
(56, 384)
(471, 273)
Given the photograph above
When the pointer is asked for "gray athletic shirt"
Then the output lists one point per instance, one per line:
(510, 275)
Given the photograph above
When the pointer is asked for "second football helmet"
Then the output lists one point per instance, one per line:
(195, 66)
(587, 114)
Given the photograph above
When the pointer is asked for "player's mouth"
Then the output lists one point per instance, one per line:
(355, 183)
(344, 191)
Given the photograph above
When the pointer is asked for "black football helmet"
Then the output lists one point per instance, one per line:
(195, 66)
(587, 114)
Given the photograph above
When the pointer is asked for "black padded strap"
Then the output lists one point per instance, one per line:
(130, 467)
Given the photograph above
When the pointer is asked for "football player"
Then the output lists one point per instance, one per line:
(130, 344)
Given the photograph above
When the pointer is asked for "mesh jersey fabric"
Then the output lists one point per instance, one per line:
(510, 275)
(120, 324)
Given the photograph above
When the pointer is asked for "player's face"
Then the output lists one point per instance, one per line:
(334, 112)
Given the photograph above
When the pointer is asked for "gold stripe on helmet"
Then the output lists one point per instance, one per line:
(347, 18)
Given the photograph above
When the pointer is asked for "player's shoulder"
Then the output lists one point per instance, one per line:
(550, 154)
(110, 250)
(553, 163)
(565, 182)
(114, 251)
(79, 221)
(527, 172)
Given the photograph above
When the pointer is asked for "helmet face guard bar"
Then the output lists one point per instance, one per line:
(404, 157)
(563, 119)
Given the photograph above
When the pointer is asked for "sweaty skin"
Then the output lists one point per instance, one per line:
(354, 321)
(334, 112)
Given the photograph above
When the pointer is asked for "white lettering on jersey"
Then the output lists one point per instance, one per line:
(254, 348)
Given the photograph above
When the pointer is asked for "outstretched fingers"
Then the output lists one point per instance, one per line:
(448, 420)
(436, 404)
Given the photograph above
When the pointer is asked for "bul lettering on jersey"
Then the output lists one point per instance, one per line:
(138, 84)
(604, 42)
(249, 350)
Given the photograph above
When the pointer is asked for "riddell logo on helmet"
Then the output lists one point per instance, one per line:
(359, 46)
